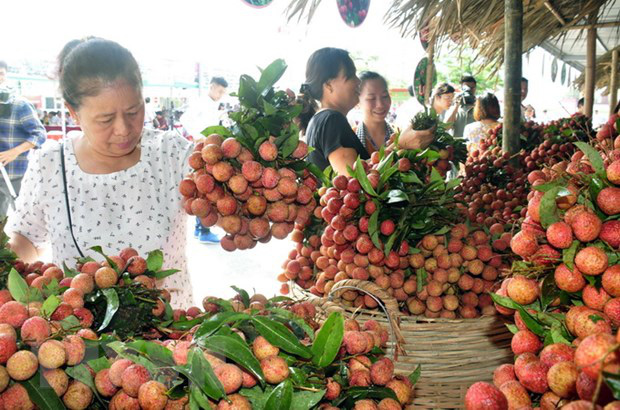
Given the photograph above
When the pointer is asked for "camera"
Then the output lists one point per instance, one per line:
(467, 97)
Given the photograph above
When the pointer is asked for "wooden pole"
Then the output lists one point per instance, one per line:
(513, 46)
(613, 82)
(430, 56)
(590, 66)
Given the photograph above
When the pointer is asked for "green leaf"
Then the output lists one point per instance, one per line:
(390, 242)
(548, 209)
(436, 178)
(513, 329)
(316, 171)
(270, 75)
(41, 393)
(18, 287)
(236, 350)
(415, 375)
(164, 273)
(373, 228)
(328, 340)
(385, 176)
(278, 335)
(568, 254)
(386, 163)
(81, 374)
(550, 185)
(527, 318)
(153, 351)
(50, 305)
(187, 324)
(69, 273)
(595, 318)
(245, 298)
(421, 276)
(212, 324)
(281, 397)
(396, 195)
(289, 145)
(613, 381)
(304, 400)
(593, 156)
(197, 399)
(248, 92)
(155, 260)
(99, 364)
(70, 322)
(257, 396)
(411, 178)
(557, 334)
(291, 317)
(111, 307)
(217, 129)
(200, 372)
(360, 175)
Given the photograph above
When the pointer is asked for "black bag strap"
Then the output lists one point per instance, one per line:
(66, 191)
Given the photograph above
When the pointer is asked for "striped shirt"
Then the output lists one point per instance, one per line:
(19, 123)
(364, 136)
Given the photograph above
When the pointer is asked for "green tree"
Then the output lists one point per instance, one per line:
(453, 63)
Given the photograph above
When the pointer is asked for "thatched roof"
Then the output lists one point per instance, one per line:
(603, 73)
(476, 23)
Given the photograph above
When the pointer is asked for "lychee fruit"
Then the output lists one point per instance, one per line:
(234, 402)
(122, 401)
(133, 377)
(556, 353)
(402, 390)
(13, 313)
(516, 395)
(610, 233)
(230, 376)
(381, 371)
(52, 354)
(263, 349)
(562, 379)
(523, 290)
(105, 278)
(152, 394)
(103, 384)
(524, 341)
(608, 200)
(75, 349)
(35, 330)
(567, 280)
(275, 369)
(78, 396)
(22, 365)
(57, 379)
(590, 352)
(560, 235)
(524, 244)
(586, 226)
(360, 378)
(591, 260)
(16, 397)
(268, 151)
(231, 148)
(484, 396)
(116, 371)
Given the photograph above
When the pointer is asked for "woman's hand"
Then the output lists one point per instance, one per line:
(24, 249)
(416, 139)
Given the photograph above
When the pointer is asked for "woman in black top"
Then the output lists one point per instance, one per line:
(331, 79)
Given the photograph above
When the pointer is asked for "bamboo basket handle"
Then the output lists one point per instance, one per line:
(384, 300)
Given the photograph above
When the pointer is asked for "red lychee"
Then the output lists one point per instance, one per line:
(560, 235)
(586, 226)
(591, 260)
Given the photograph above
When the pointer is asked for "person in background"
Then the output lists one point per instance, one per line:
(407, 110)
(20, 131)
(580, 104)
(46, 118)
(524, 92)
(160, 122)
(114, 184)
(149, 113)
(442, 101)
(331, 80)
(465, 113)
(55, 118)
(375, 101)
(205, 113)
(530, 113)
(486, 114)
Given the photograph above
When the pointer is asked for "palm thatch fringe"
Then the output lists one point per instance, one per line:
(603, 73)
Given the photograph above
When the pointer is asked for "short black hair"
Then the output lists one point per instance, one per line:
(468, 79)
(219, 81)
(4, 65)
(441, 89)
(410, 90)
(524, 80)
(581, 102)
(147, 100)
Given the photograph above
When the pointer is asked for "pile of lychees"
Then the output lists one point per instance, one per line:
(565, 293)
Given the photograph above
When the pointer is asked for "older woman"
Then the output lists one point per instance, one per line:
(486, 114)
(116, 183)
(375, 102)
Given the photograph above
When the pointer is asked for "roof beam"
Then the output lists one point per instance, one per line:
(602, 24)
(556, 13)
(600, 41)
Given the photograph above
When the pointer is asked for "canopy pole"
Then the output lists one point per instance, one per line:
(613, 82)
(430, 56)
(590, 66)
(513, 46)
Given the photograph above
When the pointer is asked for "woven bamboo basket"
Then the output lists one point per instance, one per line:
(453, 353)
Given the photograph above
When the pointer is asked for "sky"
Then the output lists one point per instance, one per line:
(226, 36)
